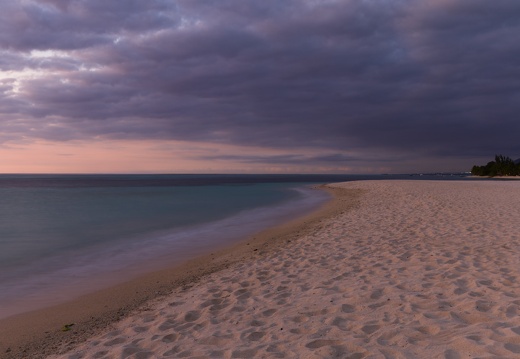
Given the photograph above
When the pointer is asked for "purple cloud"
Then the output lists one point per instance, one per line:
(433, 79)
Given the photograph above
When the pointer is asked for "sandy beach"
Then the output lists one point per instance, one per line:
(388, 269)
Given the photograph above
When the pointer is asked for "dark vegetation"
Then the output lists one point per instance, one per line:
(501, 166)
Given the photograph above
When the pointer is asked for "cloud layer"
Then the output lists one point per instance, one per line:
(388, 79)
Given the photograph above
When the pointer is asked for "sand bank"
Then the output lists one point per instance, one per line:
(394, 269)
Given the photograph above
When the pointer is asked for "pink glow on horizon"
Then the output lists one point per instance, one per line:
(126, 156)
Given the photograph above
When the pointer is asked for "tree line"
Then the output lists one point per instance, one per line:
(501, 166)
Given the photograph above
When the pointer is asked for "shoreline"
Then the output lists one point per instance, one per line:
(37, 334)
(70, 274)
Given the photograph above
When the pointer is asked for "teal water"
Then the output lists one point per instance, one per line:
(38, 222)
(62, 239)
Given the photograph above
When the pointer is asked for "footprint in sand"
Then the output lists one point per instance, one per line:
(255, 336)
(369, 329)
(175, 304)
(315, 344)
(269, 312)
(428, 330)
(214, 340)
(476, 338)
(167, 325)
(459, 291)
(192, 316)
(300, 319)
(114, 342)
(483, 306)
(140, 329)
(377, 305)
(209, 302)
(169, 338)
(300, 331)
(514, 348)
(136, 352)
(341, 323)
(238, 309)
(99, 355)
(451, 354)
(257, 323)
(376, 294)
(248, 353)
(347, 308)
(511, 311)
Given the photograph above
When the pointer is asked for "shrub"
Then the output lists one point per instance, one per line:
(501, 166)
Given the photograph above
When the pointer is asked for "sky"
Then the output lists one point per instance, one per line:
(238, 86)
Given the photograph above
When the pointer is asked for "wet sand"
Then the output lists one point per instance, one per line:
(389, 269)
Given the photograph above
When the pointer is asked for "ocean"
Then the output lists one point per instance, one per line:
(64, 235)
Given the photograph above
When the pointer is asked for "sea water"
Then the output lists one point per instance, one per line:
(65, 235)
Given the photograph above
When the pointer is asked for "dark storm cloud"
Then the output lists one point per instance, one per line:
(429, 78)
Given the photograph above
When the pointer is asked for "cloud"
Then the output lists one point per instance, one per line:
(432, 79)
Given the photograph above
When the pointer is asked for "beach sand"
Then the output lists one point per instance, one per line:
(390, 269)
